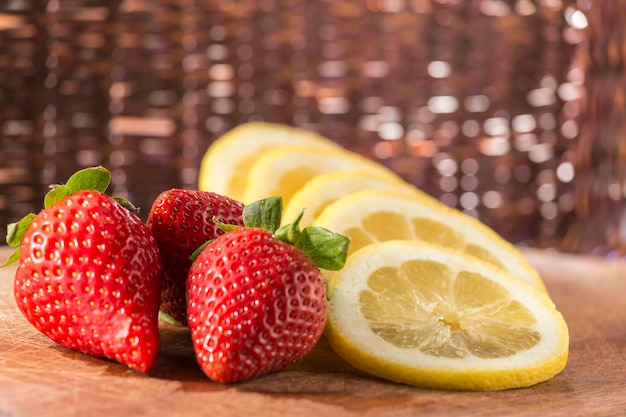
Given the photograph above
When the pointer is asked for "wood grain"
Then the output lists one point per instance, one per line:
(40, 378)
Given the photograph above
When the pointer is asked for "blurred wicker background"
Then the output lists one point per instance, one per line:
(597, 223)
(478, 102)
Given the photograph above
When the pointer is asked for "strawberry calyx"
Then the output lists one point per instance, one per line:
(92, 178)
(326, 248)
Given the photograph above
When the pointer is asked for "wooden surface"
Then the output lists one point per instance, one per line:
(39, 378)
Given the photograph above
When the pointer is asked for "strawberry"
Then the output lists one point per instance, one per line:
(181, 221)
(256, 295)
(89, 273)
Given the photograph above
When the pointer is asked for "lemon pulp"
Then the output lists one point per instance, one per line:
(422, 304)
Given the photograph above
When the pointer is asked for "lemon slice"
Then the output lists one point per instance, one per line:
(430, 316)
(285, 169)
(225, 165)
(370, 216)
(323, 189)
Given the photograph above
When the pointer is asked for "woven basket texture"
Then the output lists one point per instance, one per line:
(476, 102)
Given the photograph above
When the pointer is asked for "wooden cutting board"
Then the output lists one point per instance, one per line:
(39, 378)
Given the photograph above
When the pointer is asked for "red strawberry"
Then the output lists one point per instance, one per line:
(89, 274)
(256, 302)
(181, 221)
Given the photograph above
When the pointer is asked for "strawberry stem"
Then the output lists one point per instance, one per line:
(291, 231)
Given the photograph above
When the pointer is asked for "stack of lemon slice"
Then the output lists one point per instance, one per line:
(226, 165)
(429, 296)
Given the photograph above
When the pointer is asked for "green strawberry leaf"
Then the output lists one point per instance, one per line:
(227, 227)
(15, 233)
(266, 214)
(93, 178)
(198, 251)
(329, 250)
(56, 193)
(166, 318)
(126, 204)
(15, 256)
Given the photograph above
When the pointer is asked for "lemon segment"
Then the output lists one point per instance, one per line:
(317, 193)
(370, 216)
(430, 316)
(225, 165)
(284, 170)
